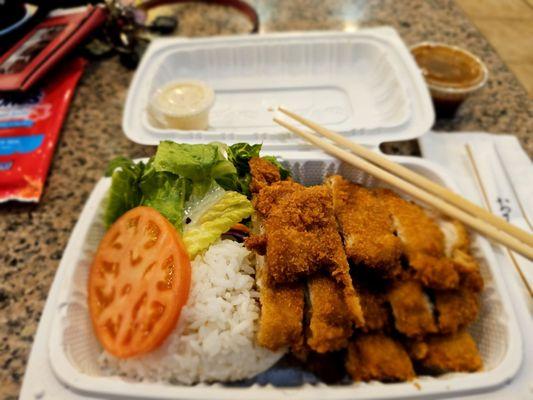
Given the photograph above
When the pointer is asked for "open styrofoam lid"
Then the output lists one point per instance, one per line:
(364, 85)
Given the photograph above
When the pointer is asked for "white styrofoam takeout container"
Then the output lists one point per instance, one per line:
(364, 85)
(73, 349)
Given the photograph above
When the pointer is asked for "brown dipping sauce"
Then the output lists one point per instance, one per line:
(451, 74)
(448, 67)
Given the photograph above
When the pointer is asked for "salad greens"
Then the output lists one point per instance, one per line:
(125, 192)
(202, 189)
(213, 215)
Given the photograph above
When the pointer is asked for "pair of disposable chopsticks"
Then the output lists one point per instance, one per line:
(416, 185)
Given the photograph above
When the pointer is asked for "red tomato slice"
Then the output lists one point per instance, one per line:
(138, 283)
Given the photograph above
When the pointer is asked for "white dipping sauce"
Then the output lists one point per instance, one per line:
(182, 105)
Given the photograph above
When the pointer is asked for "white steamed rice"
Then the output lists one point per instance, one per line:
(214, 339)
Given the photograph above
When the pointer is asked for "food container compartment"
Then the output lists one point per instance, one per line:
(364, 84)
(343, 85)
(73, 348)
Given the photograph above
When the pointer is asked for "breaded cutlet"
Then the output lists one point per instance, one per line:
(450, 353)
(282, 312)
(423, 242)
(376, 356)
(434, 272)
(366, 227)
(302, 239)
(459, 252)
(282, 306)
(418, 232)
(263, 173)
(462, 238)
(375, 309)
(455, 309)
(271, 195)
(468, 269)
(330, 325)
(411, 309)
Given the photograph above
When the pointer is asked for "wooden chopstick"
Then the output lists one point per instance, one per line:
(416, 179)
(475, 223)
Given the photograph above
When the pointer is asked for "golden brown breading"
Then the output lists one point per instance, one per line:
(466, 266)
(376, 356)
(330, 324)
(375, 310)
(468, 269)
(411, 309)
(434, 272)
(423, 243)
(418, 232)
(263, 172)
(256, 243)
(302, 239)
(269, 196)
(301, 235)
(282, 311)
(282, 306)
(455, 309)
(451, 353)
(366, 226)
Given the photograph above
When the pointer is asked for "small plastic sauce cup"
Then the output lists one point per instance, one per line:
(451, 74)
(181, 105)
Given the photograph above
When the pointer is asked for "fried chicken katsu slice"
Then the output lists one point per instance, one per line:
(423, 242)
(375, 309)
(302, 239)
(263, 172)
(271, 195)
(455, 309)
(450, 353)
(418, 232)
(330, 325)
(282, 312)
(459, 252)
(280, 323)
(376, 356)
(461, 240)
(434, 272)
(366, 226)
(411, 309)
(468, 269)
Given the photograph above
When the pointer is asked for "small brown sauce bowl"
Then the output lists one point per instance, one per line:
(451, 74)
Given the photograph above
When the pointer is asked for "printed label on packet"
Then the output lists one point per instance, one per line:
(30, 123)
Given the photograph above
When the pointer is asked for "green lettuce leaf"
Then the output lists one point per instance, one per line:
(124, 193)
(240, 153)
(166, 193)
(197, 162)
(215, 214)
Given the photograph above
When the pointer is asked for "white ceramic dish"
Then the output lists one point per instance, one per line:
(364, 84)
(73, 348)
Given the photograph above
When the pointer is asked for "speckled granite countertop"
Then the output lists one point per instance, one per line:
(34, 236)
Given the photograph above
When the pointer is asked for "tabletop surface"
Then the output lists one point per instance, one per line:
(34, 236)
